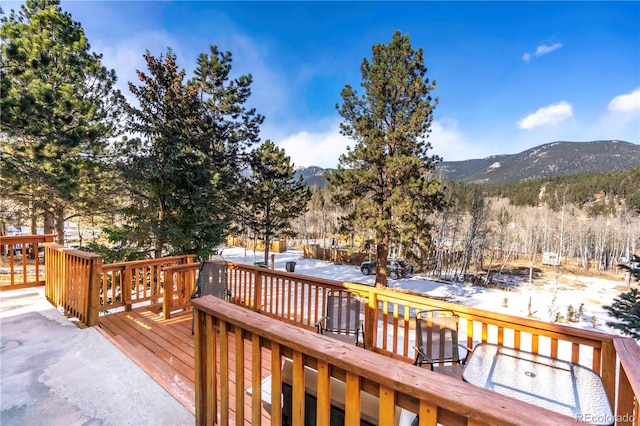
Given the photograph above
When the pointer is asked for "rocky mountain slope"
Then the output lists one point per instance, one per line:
(551, 159)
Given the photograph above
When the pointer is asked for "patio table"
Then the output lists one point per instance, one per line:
(557, 385)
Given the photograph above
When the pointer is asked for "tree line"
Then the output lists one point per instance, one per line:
(599, 193)
(482, 227)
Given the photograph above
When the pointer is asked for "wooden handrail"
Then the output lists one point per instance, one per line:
(590, 348)
(84, 287)
(124, 284)
(417, 390)
(21, 273)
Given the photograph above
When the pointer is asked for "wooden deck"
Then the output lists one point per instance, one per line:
(164, 349)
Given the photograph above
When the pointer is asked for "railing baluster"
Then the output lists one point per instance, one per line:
(256, 381)
(298, 389)
(323, 398)
(239, 370)
(276, 382)
(352, 395)
(387, 408)
(395, 327)
(224, 374)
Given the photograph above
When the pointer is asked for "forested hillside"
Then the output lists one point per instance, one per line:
(597, 193)
(544, 161)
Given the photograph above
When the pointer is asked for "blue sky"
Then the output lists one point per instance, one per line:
(510, 75)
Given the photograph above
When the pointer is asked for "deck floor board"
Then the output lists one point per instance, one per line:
(164, 349)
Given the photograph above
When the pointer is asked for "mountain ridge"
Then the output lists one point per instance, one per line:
(551, 159)
(557, 158)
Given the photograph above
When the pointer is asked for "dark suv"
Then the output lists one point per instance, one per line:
(396, 268)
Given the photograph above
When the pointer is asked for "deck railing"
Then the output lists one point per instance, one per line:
(627, 408)
(127, 283)
(389, 329)
(435, 398)
(78, 282)
(180, 282)
(21, 261)
(73, 282)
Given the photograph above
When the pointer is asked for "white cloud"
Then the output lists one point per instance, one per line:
(549, 115)
(320, 149)
(544, 49)
(628, 103)
(541, 50)
(451, 144)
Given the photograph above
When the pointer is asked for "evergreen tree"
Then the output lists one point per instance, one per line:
(172, 189)
(626, 309)
(388, 175)
(228, 128)
(185, 171)
(58, 107)
(273, 198)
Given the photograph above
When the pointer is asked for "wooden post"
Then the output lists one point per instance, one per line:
(169, 282)
(608, 372)
(257, 291)
(125, 287)
(628, 404)
(95, 272)
(371, 320)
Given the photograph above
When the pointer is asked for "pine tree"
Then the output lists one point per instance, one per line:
(185, 170)
(166, 170)
(387, 179)
(58, 108)
(626, 309)
(228, 128)
(273, 198)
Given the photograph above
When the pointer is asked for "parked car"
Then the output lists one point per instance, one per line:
(396, 268)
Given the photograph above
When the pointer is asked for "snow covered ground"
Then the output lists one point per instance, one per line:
(547, 300)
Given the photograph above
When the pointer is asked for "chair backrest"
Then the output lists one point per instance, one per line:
(343, 312)
(437, 334)
(212, 279)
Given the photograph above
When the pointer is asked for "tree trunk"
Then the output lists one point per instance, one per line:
(59, 220)
(49, 220)
(266, 249)
(382, 253)
(33, 219)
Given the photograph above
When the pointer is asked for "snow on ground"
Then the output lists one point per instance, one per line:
(547, 300)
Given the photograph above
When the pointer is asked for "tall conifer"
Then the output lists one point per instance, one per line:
(58, 108)
(388, 175)
(273, 198)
